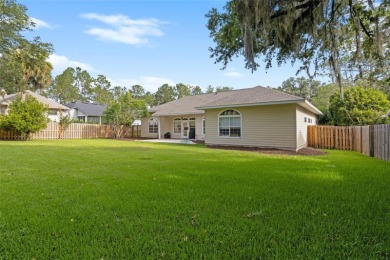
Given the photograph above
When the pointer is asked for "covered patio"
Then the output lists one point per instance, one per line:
(185, 126)
(179, 118)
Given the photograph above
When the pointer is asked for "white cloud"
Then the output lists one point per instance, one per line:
(41, 24)
(232, 73)
(148, 83)
(123, 29)
(60, 63)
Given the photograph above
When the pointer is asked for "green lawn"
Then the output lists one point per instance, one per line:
(108, 199)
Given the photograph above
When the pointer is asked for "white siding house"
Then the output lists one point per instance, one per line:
(253, 117)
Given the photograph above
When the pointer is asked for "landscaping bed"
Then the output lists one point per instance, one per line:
(308, 151)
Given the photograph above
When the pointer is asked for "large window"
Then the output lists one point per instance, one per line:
(153, 126)
(52, 112)
(230, 123)
(81, 119)
(177, 125)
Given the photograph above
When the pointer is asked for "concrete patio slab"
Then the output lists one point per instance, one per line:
(172, 141)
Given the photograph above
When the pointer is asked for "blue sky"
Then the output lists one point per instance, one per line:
(141, 42)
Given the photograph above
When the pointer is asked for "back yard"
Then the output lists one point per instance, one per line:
(106, 199)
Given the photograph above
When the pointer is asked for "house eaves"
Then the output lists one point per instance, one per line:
(201, 112)
(302, 102)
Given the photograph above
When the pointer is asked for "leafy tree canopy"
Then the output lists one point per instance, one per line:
(196, 90)
(324, 34)
(137, 91)
(149, 98)
(321, 100)
(165, 94)
(23, 63)
(101, 91)
(300, 87)
(83, 82)
(63, 89)
(210, 89)
(182, 90)
(361, 106)
(223, 89)
(11, 74)
(124, 111)
(13, 20)
(26, 66)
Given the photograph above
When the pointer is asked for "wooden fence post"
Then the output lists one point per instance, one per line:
(372, 144)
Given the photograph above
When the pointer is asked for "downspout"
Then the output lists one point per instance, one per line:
(159, 128)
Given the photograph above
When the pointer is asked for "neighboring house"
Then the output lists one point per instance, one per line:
(253, 117)
(3, 106)
(55, 109)
(86, 112)
(136, 122)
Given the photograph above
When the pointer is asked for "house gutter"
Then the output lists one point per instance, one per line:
(178, 114)
(159, 127)
(306, 104)
(313, 108)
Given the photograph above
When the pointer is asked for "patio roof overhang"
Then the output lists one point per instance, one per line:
(162, 113)
(304, 103)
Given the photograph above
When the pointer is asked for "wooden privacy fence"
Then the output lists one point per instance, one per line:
(371, 140)
(76, 131)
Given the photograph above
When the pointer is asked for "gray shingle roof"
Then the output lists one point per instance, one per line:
(50, 103)
(249, 96)
(241, 97)
(183, 106)
(89, 109)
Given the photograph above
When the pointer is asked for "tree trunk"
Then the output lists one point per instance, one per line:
(358, 53)
(334, 55)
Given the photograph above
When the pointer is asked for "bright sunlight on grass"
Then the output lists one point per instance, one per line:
(108, 199)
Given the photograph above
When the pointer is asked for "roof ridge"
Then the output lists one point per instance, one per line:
(239, 97)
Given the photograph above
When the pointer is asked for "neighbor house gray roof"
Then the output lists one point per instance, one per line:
(256, 96)
(89, 109)
(50, 103)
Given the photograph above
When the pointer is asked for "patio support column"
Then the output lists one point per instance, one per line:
(159, 127)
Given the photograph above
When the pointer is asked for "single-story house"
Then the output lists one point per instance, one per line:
(253, 117)
(55, 109)
(86, 112)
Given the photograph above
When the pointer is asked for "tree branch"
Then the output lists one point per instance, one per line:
(311, 4)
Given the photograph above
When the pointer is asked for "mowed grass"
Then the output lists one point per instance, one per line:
(108, 199)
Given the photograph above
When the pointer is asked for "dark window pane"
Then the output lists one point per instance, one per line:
(235, 132)
(224, 132)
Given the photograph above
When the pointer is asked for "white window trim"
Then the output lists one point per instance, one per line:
(230, 137)
(158, 125)
(192, 119)
(176, 119)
